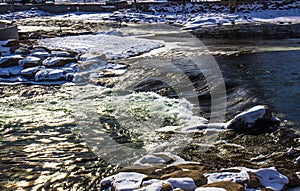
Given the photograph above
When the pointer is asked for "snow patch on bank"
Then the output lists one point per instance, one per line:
(114, 47)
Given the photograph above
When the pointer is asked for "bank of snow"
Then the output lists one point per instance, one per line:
(114, 47)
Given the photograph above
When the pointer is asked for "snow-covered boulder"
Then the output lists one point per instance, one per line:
(258, 119)
(157, 186)
(62, 54)
(10, 43)
(8, 61)
(238, 177)
(271, 178)
(159, 158)
(123, 181)
(186, 184)
(29, 73)
(50, 75)
(41, 55)
(30, 61)
(58, 61)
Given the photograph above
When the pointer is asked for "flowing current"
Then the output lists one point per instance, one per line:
(64, 137)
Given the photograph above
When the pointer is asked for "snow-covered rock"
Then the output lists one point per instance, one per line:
(30, 61)
(271, 178)
(50, 75)
(8, 61)
(29, 73)
(256, 120)
(157, 186)
(238, 177)
(58, 61)
(123, 181)
(186, 184)
(159, 158)
(41, 55)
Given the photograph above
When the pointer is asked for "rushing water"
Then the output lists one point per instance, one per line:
(40, 149)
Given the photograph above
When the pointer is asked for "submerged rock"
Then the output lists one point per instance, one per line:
(256, 120)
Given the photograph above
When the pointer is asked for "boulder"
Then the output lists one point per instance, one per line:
(8, 61)
(22, 51)
(196, 175)
(50, 75)
(58, 61)
(294, 179)
(123, 181)
(186, 183)
(271, 178)
(10, 43)
(30, 61)
(29, 73)
(253, 181)
(228, 186)
(41, 55)
(63, 54)
(256, 120)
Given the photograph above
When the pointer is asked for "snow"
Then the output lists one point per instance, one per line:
(159, 158)
(114, 47)
(124, 181)
(186, 184)
(271, 178)
(237, 177)
(251, 115)
(153, 187)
